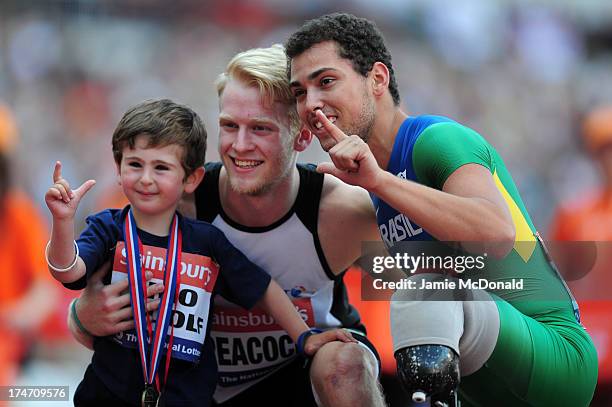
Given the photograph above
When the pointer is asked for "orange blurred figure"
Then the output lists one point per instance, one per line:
(27, 296)
(581, 232)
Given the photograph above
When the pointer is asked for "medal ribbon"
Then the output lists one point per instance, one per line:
(151, 351)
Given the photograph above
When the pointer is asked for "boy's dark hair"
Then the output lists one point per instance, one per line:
(358, 39)
(165, 123)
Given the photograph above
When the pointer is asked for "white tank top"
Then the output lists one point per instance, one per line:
(249, 346)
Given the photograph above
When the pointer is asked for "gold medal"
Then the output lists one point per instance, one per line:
(150, 397)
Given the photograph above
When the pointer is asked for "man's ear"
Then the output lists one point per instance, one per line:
(193, 180)
(302, 141)
(380, 78)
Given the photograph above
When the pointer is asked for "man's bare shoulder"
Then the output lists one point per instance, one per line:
(346, 219)
(337, 195)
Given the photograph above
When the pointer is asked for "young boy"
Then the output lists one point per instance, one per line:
(159, 148)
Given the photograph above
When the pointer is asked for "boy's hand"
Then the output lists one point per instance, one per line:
(61, 200)
(316, 341)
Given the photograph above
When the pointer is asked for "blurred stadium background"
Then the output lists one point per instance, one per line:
(522, 73)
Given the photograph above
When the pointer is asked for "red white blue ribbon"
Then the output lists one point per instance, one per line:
(151, 344)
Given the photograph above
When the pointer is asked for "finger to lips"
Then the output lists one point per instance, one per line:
(333, 130)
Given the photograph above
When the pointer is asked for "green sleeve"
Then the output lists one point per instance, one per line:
(443, 147)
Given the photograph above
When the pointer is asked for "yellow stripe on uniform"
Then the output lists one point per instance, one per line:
(524, 241)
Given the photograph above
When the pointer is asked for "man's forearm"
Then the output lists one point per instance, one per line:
(451, 217)
(77, 333)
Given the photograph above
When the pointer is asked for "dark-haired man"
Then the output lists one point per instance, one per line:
(442, 181)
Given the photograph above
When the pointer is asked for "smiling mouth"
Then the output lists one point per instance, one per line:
(246, 164)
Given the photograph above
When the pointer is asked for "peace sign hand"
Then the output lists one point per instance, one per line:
(352, 159)
(61, 200)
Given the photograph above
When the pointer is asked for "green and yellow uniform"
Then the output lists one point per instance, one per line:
(543, 356)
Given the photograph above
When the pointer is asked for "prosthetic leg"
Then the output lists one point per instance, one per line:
(429, 371)
(430, 336)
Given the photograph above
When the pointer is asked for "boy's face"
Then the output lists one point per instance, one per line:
(321, 80)
(152, 178)
(254, 141)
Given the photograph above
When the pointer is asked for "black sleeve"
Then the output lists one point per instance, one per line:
(207, 200)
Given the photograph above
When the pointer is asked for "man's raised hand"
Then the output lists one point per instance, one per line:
(352, 160)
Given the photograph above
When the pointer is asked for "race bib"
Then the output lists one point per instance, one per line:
(190, 316)
(249, 344)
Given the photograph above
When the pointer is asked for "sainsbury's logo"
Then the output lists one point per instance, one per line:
(193, 266)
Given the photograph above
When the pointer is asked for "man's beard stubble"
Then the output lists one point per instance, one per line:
(268, 181)
(363, 127)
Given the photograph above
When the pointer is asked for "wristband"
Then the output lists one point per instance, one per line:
(75, 318)
(299, 345)
(57, 269)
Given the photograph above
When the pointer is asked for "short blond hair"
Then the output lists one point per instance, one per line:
(265, 68)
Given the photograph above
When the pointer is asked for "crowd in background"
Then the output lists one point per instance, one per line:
(522, 73)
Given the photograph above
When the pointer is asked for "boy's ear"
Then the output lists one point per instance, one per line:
(302, 141)
(118, 168)
(193, 180)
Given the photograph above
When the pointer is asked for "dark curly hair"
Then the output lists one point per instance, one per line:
(358, 39)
